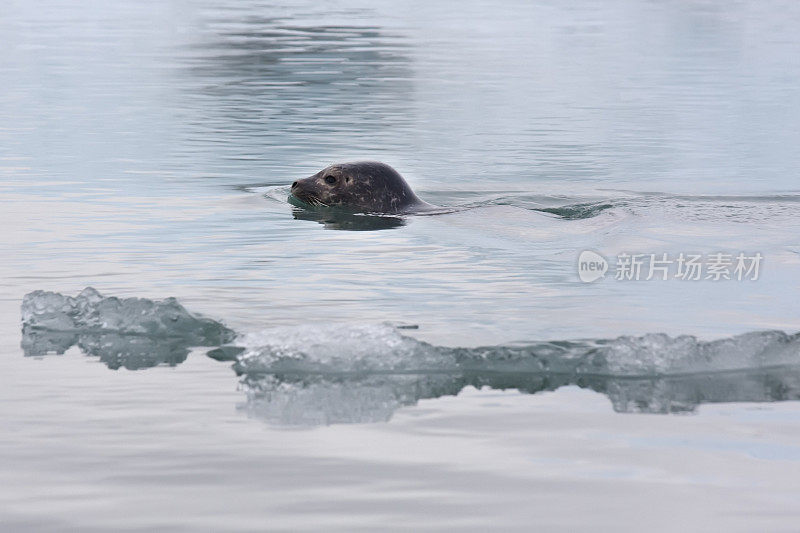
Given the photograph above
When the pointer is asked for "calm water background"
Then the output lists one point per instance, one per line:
(145, 149)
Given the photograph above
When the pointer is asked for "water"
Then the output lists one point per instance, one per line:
(146, 150)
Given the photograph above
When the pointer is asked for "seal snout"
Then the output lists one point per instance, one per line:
(294, 185)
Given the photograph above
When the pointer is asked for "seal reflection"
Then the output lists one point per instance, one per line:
(333, 218)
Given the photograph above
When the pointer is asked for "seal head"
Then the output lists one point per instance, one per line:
(364, 186)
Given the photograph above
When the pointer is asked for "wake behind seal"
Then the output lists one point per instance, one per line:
(363, 186)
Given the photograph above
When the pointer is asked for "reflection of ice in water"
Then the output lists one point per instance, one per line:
(327, 399)
(306, 400)
(340, 373)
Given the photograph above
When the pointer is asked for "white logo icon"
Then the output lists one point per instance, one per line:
(591, 266)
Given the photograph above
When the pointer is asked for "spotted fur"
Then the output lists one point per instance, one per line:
(364, 186)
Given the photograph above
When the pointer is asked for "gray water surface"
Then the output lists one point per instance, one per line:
(146, 150)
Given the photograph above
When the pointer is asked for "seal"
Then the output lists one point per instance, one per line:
(363, 186)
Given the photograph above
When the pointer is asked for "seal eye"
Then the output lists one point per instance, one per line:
(330, 179)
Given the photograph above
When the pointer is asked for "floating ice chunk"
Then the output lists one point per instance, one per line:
(382, 348)
(341, 373)
(657, 354)
(559, 357)
(339, 348)
(49, 310)
(130, 332)
(90, 311)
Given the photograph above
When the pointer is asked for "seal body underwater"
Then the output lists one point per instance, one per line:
(363, 186)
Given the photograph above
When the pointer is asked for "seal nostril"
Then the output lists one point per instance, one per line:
(294, 185)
